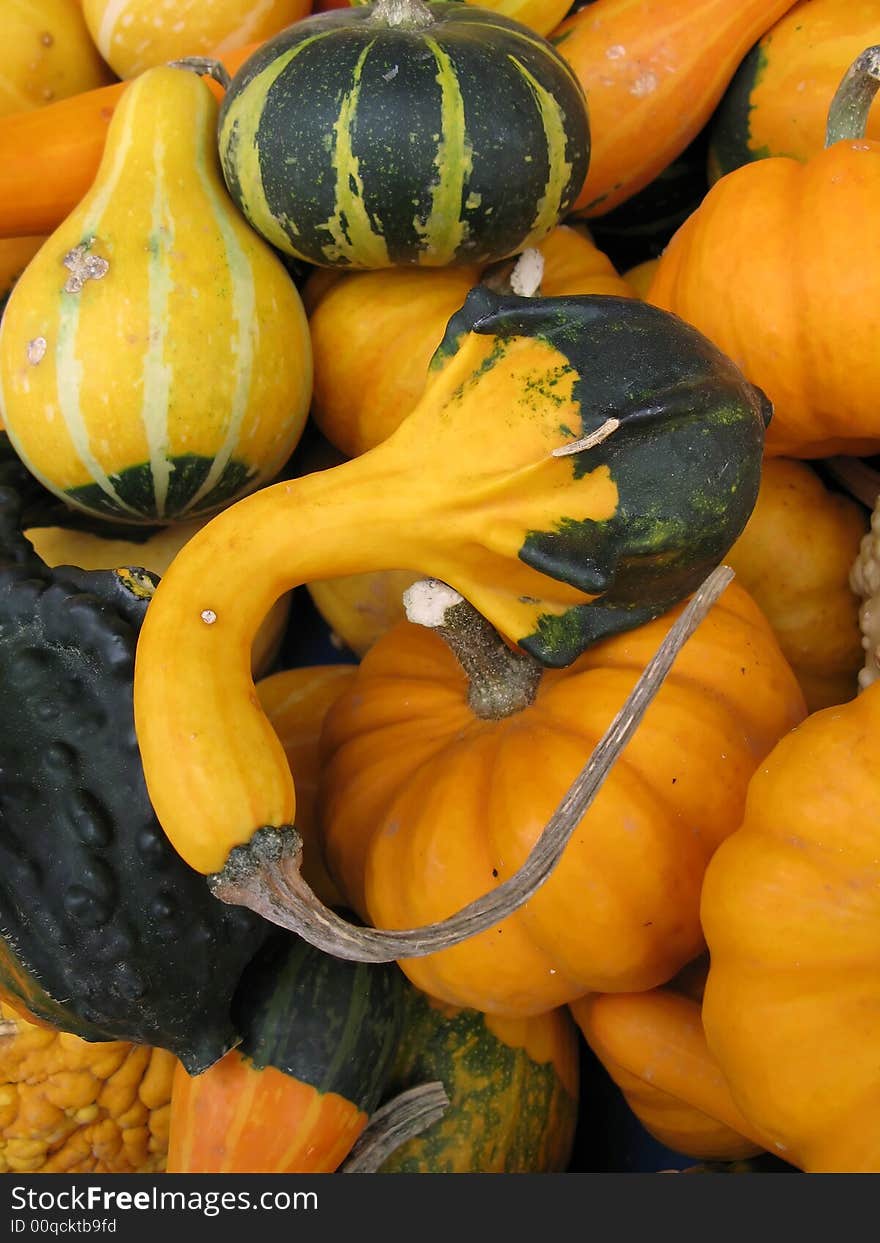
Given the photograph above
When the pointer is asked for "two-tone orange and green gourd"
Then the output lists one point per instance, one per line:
(513, 1088)
(435, 133)
(318, 1037)
(778, 100)
(155, 361)
(486, 485)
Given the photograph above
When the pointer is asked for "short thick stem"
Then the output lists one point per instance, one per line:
(205, 67)
(500, 680)
(848, 111)
(402, 1119)
(404, 14)
(265, 874)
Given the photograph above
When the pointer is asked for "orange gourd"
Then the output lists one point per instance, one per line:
(794, 558)
(427, 805)
(653, 74)
(791, 912)
(374, 333)
(777, 268)
(653, 1047)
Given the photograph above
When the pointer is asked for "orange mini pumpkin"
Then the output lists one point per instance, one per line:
(791, 912)
(776, 267)
(429, 802)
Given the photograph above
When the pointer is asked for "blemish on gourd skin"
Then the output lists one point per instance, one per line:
(83, 266)
(36, 350)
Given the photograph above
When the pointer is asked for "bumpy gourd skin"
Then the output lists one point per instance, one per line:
(69, 1106)
(105, 931)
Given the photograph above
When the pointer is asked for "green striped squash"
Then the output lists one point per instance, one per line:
(512, 1084)
(155, 360)
(404, 133)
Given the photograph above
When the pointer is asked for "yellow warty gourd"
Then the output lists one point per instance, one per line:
(71, 1106)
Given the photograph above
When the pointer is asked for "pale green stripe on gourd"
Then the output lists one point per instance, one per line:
(68, 369)
(243, 307)
(560, 170)
(444, 232)
(157, 372)
(243, 119)
(354, 238)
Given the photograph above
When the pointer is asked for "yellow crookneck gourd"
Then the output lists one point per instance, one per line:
(155, 360)
(560, 471)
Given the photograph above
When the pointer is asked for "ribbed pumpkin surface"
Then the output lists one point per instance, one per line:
(71, 1106)
(427, 807)
(459, 140)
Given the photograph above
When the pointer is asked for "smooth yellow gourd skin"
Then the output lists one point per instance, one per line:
(47, 54)
(192, 342)
(134, 35)
(71, 1106)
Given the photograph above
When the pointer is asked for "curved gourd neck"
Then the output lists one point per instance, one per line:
(193, 667)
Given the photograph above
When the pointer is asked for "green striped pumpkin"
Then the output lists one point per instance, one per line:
(432, 134)
(155, 359)
(513, 1088)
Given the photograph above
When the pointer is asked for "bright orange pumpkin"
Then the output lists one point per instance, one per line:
(776, 267)
(652, 74)
(791, 912)
(425, 806)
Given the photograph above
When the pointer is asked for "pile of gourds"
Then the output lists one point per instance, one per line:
(491, 333)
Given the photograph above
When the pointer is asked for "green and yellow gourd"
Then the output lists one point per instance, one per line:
(513, 1087)
(594, 507)
(155, 361)
(435, 133)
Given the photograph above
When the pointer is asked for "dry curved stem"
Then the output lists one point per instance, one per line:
(403, 1118)
(848, 111)
(205, 67)
(265, 873)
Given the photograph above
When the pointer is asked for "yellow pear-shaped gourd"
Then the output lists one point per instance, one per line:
(155, 360)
